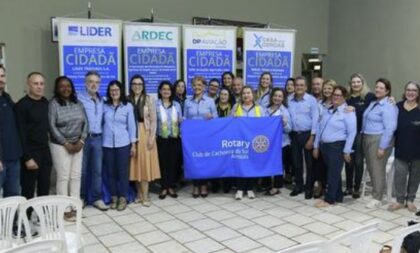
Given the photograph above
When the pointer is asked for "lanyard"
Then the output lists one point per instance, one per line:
(326, 123)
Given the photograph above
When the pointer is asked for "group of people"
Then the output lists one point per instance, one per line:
(93, 142)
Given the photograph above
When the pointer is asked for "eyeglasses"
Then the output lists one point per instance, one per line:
(136, 83)
(337, 95)
(411, 90)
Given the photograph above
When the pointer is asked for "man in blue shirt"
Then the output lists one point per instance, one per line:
(304, 115)
(92, 151)
(10, 142)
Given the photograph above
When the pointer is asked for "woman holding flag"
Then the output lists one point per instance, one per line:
(199, 107)
(247, 108)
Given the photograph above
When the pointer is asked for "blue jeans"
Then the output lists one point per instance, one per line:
(334, 161)
(116, 162)
(10, 178)
(91, 189)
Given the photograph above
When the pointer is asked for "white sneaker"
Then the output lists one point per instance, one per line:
(250, 194)
(99, 204)
(239, 195)
(374, 204)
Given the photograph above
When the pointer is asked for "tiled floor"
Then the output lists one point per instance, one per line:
(221, 224)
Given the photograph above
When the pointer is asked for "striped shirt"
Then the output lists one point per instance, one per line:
(68, 123)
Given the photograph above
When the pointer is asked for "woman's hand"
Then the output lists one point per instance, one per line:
(69, 147)
(150, 142)
(133, 150)
(381, 153)
(347, 158)
(315, 153)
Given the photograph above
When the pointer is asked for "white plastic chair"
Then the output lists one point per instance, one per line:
(8, 211)
(50, 211)
(398, 241)
(310, 247)
(359, 238)
(43, 246)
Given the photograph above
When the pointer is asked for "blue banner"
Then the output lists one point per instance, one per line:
(155, 64)
(232, 147)
(275, 62)
(207, 63)
(78, 60)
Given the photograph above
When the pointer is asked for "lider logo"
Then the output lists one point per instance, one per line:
(73, 30)
(260, 143)
(90, 31)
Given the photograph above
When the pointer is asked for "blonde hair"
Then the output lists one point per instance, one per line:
(328, 82)
(259, 92)
(365, 88)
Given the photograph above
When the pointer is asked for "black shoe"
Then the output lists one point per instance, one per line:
(272, 193)
(204, 195)
(163, 195)
(226, 190)
(295, 192)
(308, 194)
(215, 188)
(173, 194)
(347, 192)
(196, 195)
(418, 213)
(356, 194)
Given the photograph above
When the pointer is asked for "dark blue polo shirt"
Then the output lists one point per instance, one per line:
(10, 142)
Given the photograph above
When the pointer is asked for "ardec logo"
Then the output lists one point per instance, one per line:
(90, 31)
(153, 36)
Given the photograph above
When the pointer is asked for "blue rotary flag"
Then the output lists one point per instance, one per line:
(232, 147)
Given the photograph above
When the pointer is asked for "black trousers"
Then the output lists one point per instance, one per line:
(168, 152)
(200, 182)
(354, 169)
(245, 183)
(298, 147)
(320, 170)
(40, 178)
(287, 160)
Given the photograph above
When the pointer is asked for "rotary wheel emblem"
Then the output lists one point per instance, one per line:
(260, 144)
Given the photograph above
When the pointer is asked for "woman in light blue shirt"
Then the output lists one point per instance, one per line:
(199, 107)
(277, 108)
(318, 166)
(334, 138)
(119, 142)
(264, 88)
(378, 126)
(169, 117)
(247, 108)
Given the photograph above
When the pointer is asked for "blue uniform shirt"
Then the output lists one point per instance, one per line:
(381, 118)
(264, 100)
(194, 109)
(94, 111)
(283, 112)
(168, 116)
(304, 113)
(337, 125)
(119, 126)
